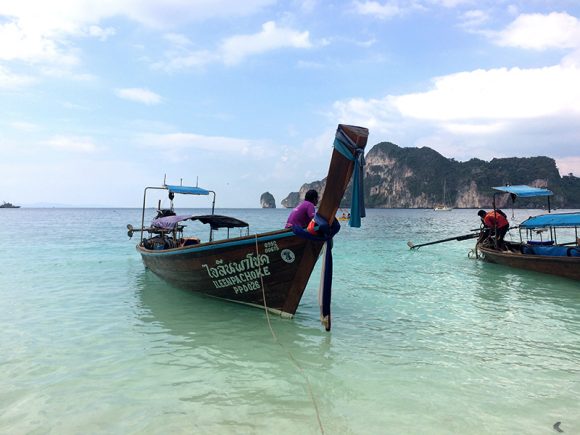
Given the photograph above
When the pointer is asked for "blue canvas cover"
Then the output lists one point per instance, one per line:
(552, 251)
(187, 190)
(552, 220)
(524, 191)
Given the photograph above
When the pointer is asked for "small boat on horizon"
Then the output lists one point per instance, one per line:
(557, 251)
(444, 206)
(267, 270)
(8, 205)
(344, 216)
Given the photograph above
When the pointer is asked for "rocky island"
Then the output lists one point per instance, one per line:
(267, 200)
(397, 177)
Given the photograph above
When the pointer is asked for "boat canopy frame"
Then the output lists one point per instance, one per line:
(550, 222)
(173, 189)
(522, 191)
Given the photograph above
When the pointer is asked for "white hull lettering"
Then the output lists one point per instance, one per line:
(241, 279)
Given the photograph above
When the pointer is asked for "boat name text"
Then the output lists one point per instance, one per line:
(241, 275)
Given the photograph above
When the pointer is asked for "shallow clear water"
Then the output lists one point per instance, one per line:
(424, 341)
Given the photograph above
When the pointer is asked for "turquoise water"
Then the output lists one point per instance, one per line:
(424, 341)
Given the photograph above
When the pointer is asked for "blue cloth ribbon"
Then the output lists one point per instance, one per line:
(345, 146)
(325, 233)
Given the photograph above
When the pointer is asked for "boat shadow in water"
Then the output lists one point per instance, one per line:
(219, 361)
(198, 320)
(499, 283)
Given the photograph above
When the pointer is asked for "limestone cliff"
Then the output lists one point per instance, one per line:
(398, 177)
(294, 198)
(267, 200)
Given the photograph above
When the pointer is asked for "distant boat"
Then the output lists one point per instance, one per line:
(344, 216)
(8, 205)
(558, 255)
(268, 270)
(444, 206)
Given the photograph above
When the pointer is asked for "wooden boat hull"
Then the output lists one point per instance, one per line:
(236, 269)
(567, 267)
(269, 270)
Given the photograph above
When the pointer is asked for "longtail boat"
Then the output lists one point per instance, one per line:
(268, 270)
(548, 243)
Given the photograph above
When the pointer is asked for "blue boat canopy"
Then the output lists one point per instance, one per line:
(524, 191)
(552, 220)
(187, 190)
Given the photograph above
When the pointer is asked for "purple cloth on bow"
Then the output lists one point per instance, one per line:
(169, 222)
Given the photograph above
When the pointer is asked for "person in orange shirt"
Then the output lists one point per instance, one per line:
(495, 223)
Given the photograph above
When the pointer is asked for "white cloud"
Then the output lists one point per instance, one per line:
(180, 56)
(373, 113)
(139, 95)
(30, 44)
(100, 33)
(9, 80)
(367, 43)
(541, 32)
(175, 12)
(497, 94)
(379, 10)
(467, 128)
(392, 8)
(473, 19)
(477, 113)
(78, 144)
(179, 59)
(307, 6)
(43, 31)
(271, 37)
(57, 71)
(177, 39)
(234, 49)
(451, 3)
(70, 16)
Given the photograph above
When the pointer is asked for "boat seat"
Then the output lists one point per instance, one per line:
(574, 251)
(190, 241)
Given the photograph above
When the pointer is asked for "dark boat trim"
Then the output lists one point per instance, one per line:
(247, 240)
(566, 267)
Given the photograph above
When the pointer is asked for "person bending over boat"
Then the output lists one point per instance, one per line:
(304, 213)
(494, 223)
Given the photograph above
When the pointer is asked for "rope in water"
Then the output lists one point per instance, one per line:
(291, 357)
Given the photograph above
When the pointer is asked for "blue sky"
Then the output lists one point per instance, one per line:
(100, 98)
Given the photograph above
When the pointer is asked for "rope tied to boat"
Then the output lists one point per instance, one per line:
(345, 146)
(320, 230)
(290, 355)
